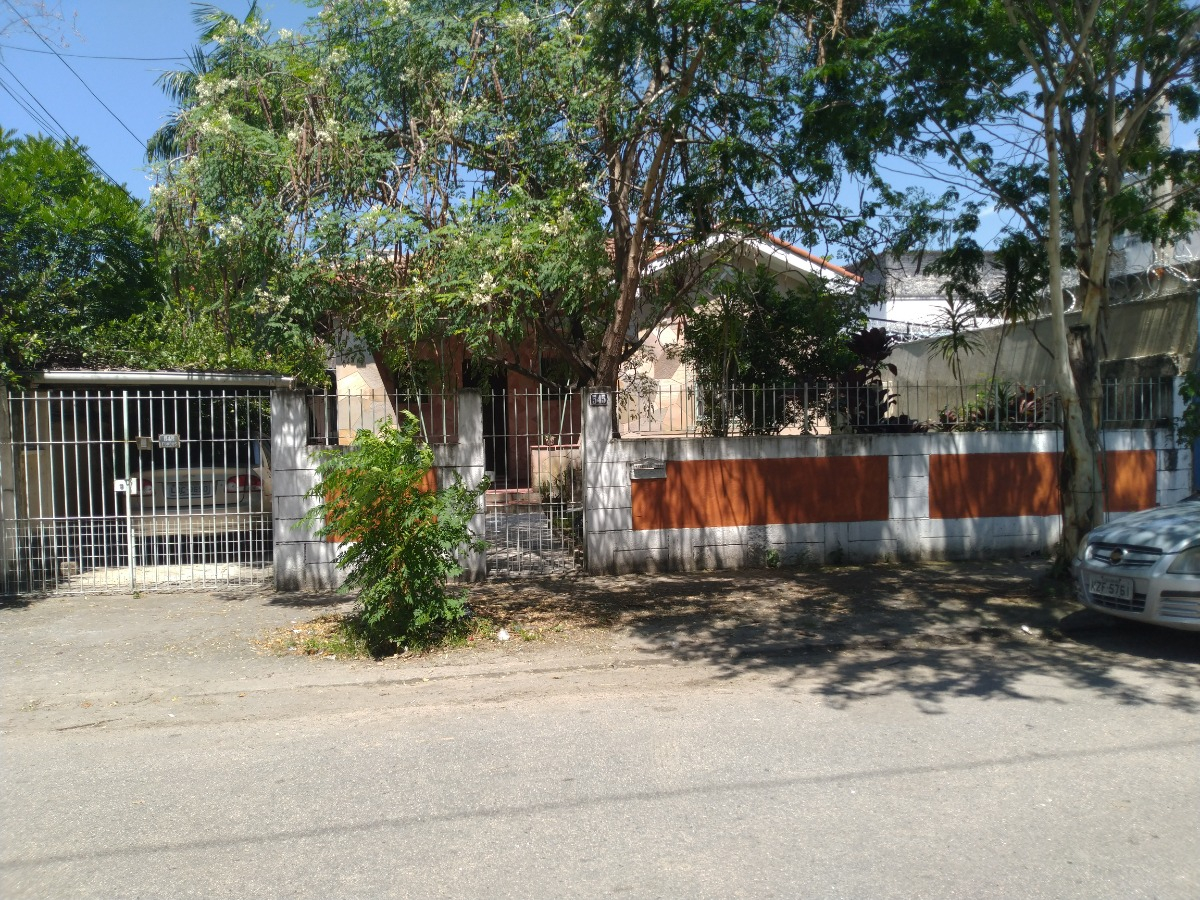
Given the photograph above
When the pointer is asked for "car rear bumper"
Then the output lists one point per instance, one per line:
(184, 525)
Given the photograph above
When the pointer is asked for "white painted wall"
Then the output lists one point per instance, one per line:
(908, 533)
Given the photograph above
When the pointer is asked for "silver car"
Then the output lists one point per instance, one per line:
(1145, 566)
(220, 493)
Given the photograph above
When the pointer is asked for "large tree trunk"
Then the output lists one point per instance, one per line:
(1080, 480)
(1079, 472)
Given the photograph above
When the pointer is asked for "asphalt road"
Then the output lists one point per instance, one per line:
(1019, 770)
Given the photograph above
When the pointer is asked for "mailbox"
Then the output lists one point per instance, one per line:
(647, 468)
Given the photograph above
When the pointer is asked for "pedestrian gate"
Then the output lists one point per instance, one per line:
(534, 506)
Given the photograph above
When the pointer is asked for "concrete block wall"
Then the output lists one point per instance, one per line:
(909, 529)
(305, 561)
(1173, 480)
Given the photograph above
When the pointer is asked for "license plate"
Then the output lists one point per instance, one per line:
(1117, 588)
(183, 490)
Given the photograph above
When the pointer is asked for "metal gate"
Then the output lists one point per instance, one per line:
(534, 507)
(112, 489)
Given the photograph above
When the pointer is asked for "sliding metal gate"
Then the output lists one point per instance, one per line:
(534, 508)
(110, 489)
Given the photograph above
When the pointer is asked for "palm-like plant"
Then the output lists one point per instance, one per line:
(217, 30)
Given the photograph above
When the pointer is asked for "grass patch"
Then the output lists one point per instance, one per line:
(462, 633)
(330, 635)
(343, 636)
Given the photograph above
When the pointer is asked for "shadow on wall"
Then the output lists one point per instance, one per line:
(827, 626)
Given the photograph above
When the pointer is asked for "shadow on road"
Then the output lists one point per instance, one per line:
(933, 632)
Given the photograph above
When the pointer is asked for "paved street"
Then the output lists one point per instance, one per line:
(151, 752)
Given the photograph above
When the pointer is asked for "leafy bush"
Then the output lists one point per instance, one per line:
(1000, 406)
(1189, 423)
(403, 537)
(750, 334)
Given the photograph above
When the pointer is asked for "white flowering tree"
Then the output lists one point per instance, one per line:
(495, 174)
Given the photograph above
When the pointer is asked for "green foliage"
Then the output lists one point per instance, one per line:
(259, 187)
(403, 539)
(75, 255)
(1052, 112)
(961, 90)
(751, 335)
(483, 174)
(1188, 428)
(514, 268)
(1000, 406)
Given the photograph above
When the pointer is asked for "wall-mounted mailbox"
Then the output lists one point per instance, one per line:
(647, 468)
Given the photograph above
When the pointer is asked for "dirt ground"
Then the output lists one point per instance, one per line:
(716, 613)
(749, 612)
(852, 604)
(91, 661)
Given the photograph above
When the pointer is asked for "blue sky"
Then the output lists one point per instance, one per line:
(161, 28)
(128, 28)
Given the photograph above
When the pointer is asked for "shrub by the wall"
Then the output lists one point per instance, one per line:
(402, 541)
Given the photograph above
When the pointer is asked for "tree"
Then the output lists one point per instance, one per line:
(752, 345)
(75, 256)
(1052, 111)
(39, 16)
(490, 174)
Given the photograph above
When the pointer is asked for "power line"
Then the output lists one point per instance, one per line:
(40, 118)
(50, 46)
(62, 135)
(96, 56)
(29, 110)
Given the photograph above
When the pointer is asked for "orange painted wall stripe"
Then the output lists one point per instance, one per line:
(1130, 479)
(724, 492)
(985, 485)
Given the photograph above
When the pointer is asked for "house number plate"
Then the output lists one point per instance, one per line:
(598, 400)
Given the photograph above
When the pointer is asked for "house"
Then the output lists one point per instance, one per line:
(910, 301)
(529, 427)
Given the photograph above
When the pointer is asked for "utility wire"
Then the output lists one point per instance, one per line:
(94, 55)
(45, 114)
(30, 111)
(50, 46)
(62, 135)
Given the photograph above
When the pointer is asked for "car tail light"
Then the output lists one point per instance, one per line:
(243, 483)
(147, 486)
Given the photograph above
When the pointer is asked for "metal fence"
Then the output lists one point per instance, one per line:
(533, 456)
(877, 407)
(334, 418)
(110, 489)
(533, 507)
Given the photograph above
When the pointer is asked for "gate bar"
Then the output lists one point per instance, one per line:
(159, 379)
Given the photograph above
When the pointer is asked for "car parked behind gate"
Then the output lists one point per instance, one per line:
(1145, 566)
(217, 500)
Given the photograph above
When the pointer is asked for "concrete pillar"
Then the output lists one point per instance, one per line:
(596, 437)
(303, 560)
(470, 467)
(1190, 461)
